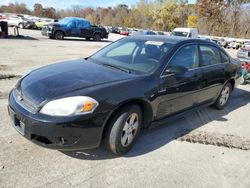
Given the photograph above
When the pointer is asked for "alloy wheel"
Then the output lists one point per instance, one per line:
(130, 129)
(224, 95)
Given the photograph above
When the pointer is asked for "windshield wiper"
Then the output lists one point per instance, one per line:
(116, 67)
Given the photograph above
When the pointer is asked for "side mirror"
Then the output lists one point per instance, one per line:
(176, 70)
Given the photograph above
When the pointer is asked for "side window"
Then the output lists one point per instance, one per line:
(123, 50)
(72, 24)
(209, 55)
(79, 24)
(85, 24)
(82, 24)
(185, 57)
(224, 58)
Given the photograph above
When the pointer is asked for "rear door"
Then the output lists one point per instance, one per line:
(180, 91)
(86, 30)
(75, 30)
(213, 64)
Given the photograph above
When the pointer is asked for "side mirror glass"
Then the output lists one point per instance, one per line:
(176, 70)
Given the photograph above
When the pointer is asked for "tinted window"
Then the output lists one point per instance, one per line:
(185, 57)
(72, 24)
(224, 58)
(209, 56)
(79, 24)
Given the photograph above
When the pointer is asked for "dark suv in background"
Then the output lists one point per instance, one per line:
(74, 27)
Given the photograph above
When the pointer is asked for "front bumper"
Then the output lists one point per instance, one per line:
(46, 32)
(72, 133)
(106, 36)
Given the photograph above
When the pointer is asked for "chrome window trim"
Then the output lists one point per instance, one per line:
(221, 51)
(162, 73)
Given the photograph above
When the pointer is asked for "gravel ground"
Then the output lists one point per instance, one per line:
(207, 148)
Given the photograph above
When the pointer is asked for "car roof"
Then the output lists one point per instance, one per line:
(169, 39)
(77, 18)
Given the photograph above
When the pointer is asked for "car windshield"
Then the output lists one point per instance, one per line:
(180, 34)
(134, 55)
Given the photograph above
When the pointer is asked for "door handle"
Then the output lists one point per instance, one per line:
(196, 76)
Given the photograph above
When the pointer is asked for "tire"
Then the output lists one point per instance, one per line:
(21, 26)
(59, 35)
(224, 97)
(97, 37)
(123, 130)
(88, 38)
(51, 37)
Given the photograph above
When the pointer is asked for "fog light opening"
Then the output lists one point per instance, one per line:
(61, 140)
(41, 139)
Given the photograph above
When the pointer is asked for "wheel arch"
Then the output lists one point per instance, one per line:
(59, 30)
(97, 32)
(232, 82)
(146, 108)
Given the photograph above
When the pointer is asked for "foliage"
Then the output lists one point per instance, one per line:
(192, 21)
(212, 17)
(224, 17)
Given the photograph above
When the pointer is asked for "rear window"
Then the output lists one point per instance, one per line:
(180, 34)
(209, 55)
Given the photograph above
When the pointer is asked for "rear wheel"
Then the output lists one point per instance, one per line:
(59, 35)
(21, 26)
(222, 100)
(123, 129)
(97, 37)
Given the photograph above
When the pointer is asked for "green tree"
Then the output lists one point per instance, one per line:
(192, 21)
(166, 17)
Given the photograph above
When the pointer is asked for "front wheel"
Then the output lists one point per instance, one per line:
(123, 129)
(59, 35)
(224, 96)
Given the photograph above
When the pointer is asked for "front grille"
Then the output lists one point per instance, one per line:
(26, 104)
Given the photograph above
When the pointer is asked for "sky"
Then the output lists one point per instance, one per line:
(64, 4)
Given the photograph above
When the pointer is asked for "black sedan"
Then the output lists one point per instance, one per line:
(130, 84)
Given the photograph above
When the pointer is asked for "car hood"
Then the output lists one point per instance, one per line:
(59, 79)
(57, 24)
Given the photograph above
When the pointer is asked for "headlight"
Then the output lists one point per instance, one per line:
(70, 106)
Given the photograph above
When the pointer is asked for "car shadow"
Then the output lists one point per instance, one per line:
(81, 39)
(152, 139)
(19, 37)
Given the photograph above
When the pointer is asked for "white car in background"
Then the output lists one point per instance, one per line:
(185, 32)
(16, 21)
(247, 45)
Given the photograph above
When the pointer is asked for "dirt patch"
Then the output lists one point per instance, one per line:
(3, 95)
(3, 67)
(9, 76)
(216, 139)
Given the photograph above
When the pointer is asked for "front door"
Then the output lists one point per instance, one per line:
(180, 91)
